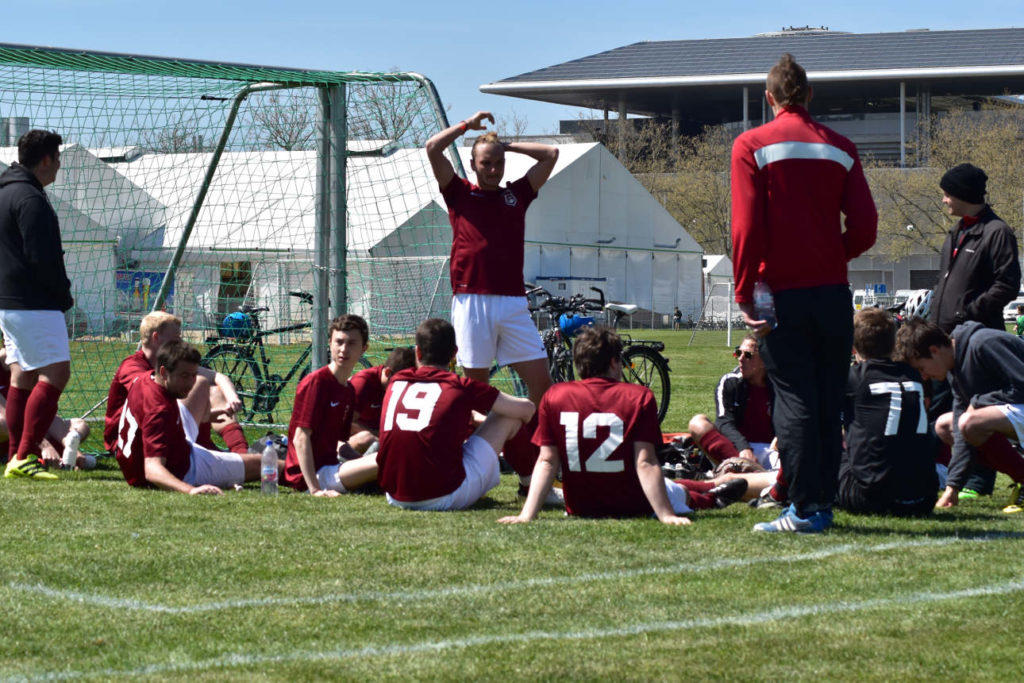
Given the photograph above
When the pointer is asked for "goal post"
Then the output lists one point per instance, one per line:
(202, 187)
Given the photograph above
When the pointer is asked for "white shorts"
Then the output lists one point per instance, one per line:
(678, 496)
(329, 477)
(489, 327)
(482, 474)
(222, 470)
(766, 457)
(35, 339)
(1015, 414)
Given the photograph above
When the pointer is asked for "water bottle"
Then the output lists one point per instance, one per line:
(268, 469)
(764, 303)
(71, 443)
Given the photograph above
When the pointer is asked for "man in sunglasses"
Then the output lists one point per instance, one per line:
(743, 413)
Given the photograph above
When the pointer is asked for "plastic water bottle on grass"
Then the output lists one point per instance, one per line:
(764, 303)
(268, 469)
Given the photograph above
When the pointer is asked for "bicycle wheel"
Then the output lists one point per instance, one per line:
(508, 380)
(239, 366)
(641, 365)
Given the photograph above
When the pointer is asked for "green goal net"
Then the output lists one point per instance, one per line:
(206, 189)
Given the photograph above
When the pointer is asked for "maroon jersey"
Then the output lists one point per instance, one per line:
(756, 424)
(594, 424)
(488, 229)
(130, 368)
(323, 406)
(150, 427)
(369, 392)
(426, 418)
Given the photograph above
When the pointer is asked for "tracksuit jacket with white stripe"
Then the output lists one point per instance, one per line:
(791, 178)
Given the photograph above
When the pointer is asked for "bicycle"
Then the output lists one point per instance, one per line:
(243, 358)
(642, 360)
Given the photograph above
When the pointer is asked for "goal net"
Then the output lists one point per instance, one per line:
(205, 188)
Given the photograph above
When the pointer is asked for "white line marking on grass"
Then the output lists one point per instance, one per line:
(396, 649)
(452, 591)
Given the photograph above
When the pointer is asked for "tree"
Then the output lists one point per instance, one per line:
(286, 119)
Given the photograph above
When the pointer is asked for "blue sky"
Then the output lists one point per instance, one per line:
(459, 45)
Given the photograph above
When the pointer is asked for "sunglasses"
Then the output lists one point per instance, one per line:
(738, 353)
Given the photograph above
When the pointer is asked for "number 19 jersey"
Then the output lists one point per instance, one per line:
(425, 419)
(594, 424)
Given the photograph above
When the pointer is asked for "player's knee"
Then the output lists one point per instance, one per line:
(699, 426)
(944, 428)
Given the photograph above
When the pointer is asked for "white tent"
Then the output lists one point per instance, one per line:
(592, 225)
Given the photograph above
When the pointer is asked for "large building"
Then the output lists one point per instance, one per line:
(875, 88)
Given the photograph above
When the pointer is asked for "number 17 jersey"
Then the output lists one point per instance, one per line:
(594, 423)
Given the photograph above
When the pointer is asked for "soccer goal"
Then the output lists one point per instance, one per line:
(205, 188)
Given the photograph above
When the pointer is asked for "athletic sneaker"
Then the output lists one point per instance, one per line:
(968, 494)
(555, 497)
(29, 468)
(766, 501)
(1016, 502)
(789, 522)
(728, 493)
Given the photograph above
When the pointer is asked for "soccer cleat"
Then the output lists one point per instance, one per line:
(728, 493)
(766, 501)
(555, 497)
(789, 522)
(1016, 502)
(968, 494)
(29, 468)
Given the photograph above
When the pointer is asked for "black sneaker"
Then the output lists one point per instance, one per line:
(728, 493)
(766, 501)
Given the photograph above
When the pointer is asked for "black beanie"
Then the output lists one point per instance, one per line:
(965, 182)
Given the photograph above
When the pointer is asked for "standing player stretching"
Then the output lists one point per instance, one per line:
(489, 309)
(793, 182)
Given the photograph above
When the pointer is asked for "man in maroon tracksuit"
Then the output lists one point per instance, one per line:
(792, 179)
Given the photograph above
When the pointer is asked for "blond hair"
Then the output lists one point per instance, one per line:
(488, 138)
(156, 322)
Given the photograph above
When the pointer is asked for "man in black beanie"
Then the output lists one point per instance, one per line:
(980, 272)
(979, 275)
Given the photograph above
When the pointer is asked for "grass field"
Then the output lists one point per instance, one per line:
(108, 582)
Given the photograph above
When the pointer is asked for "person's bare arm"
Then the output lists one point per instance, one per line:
(159, 476)
(540, 484)
(443, 170)
(653, 483)
(304, 452)
(226, 386)
(546, 157)
(514, 407)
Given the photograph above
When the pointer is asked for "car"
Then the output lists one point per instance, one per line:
(1010, 310)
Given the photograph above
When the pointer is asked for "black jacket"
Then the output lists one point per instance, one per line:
(982, 279)
(731, 404)
(32, 274)
(988, 370)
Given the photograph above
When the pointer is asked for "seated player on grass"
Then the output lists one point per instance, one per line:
(212, 401)
(152, 447)
(743, 406)
(428, 458)
(60, 430)
(888, 466)
(602, 432)
(322, 419)
(986, 373)
(369, 386)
